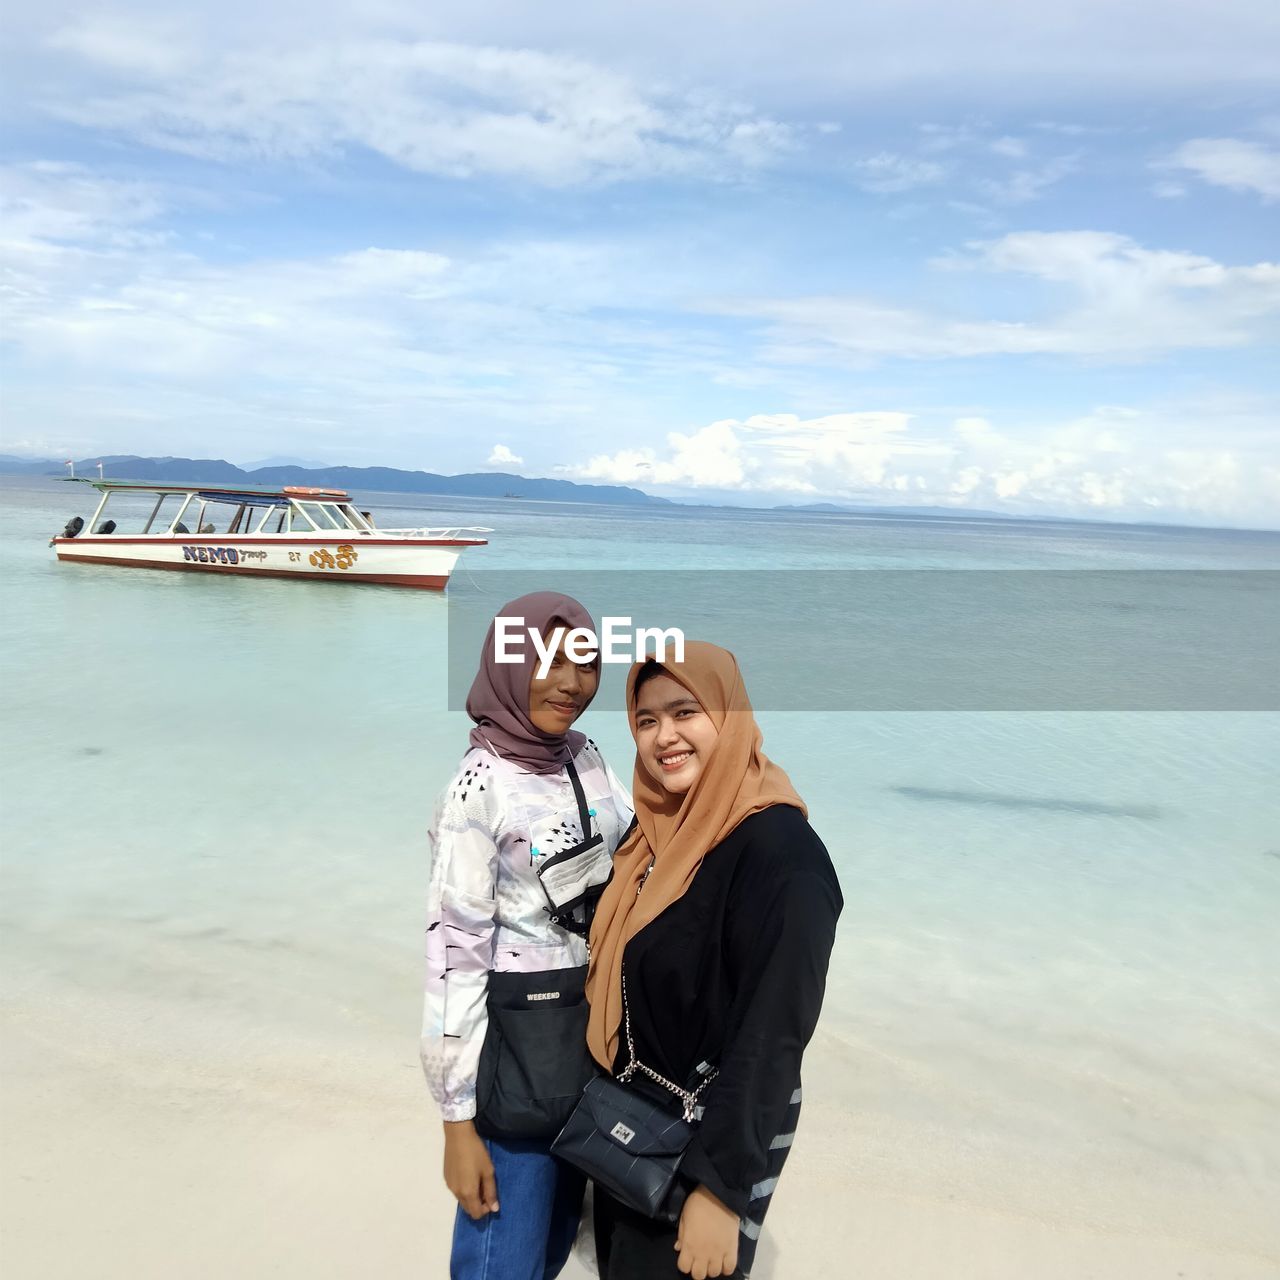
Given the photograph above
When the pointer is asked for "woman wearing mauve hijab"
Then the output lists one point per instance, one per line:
(521, 844)
(720, 916)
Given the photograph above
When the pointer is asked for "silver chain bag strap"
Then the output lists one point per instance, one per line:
(628, 1143)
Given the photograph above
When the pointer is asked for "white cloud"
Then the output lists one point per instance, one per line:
(708, 458)
(150, 49)
(962, 156)
(1011, 148)
(976, 432)
(1115, 462)
(627, 466)
(1073, 129)
(119, 332)
(501, 456)
(1025, 185)
(1233, 163)
(949, 137)
(449, 109)
(1103, 264)
(886, 173)
(775, 453)
(1122, 301)
(62, 202)
(810, 53)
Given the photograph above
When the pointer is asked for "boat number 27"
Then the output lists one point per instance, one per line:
(212, 555)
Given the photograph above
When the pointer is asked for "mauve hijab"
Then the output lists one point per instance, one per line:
(499, 697)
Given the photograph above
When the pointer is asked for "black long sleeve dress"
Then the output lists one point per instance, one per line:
(731, 974)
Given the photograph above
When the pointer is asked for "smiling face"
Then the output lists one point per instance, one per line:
(560, 697)
(674, 735)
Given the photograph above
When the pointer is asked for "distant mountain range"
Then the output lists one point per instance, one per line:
(12, 465)
(477, 484)
(484, 484)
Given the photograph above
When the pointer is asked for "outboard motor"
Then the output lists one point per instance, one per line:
(107, 526)
(73, 527)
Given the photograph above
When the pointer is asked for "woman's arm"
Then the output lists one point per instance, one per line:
(460, 936)
(460, 931)
(780, 929)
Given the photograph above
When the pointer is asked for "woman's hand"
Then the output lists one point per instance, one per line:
(468, 1171)
(707, 1237)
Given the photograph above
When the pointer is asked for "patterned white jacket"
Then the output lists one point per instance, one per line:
(487, 910)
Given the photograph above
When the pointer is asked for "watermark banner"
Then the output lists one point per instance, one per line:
(927, 640)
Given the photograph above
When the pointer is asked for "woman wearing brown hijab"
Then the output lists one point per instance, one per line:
(720, 916)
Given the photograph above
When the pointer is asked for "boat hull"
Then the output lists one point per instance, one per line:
(401, 562)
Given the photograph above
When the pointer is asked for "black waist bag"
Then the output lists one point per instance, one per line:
(534, 1063)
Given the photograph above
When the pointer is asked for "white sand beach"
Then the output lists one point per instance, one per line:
(139, 1145)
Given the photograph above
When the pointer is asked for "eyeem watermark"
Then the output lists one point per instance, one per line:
(581, 644)
(932, 640)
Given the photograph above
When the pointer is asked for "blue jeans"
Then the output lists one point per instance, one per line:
(530, 1236)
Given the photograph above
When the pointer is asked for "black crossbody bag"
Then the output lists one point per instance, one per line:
(534, 1062)
(627, 1143)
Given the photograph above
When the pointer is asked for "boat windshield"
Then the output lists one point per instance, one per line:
(323, 516)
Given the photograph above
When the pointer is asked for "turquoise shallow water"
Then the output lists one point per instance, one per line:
(1060, 928)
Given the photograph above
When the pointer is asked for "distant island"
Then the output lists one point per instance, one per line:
(481, 484)
(836, 509)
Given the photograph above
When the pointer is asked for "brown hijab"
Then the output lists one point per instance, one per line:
(677, 831)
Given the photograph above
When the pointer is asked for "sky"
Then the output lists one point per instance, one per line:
(986, 255)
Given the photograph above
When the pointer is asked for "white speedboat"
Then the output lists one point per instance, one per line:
(293, 532)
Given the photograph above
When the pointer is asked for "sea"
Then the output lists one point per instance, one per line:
(1057, 967)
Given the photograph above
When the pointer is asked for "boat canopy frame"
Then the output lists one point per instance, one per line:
(302, 509)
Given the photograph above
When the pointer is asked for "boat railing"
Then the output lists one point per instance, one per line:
(454, 532)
